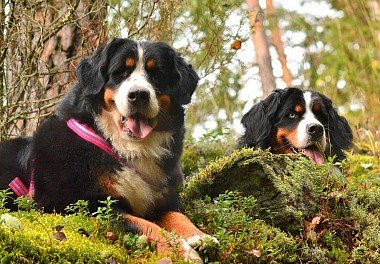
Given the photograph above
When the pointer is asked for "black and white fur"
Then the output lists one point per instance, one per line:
(291, 120)
(132, 93)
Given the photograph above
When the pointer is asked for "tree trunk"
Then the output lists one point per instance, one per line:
(277, 42)
(45, 41)
(261, 47)
(374, 11)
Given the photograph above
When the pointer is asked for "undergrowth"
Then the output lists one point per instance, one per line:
(345, 226)
(78, 237)
(344, 229)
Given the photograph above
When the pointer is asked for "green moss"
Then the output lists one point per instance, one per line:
(363, 174)
(242, 238)
(249, 200)
(83, 241)
(286, 187)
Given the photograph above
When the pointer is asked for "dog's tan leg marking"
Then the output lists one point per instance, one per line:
(180, 224)
(165, 241)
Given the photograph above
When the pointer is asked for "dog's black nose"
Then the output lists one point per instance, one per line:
(138, 95)
(315, 130)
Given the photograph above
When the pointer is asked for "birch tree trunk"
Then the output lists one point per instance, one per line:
(277, 42)
(260, 42)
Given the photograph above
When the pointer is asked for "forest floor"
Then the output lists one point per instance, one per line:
(292, 211)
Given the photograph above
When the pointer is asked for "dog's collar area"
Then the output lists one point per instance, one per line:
(87, 133)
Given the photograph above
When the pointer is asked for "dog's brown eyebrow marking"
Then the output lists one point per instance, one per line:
(130, 62)
(164, 101)
(298, 108)
(151, 64)
(317, 107)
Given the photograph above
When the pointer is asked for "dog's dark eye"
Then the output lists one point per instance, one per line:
(122, 73)
(293, 115)
(125, 74)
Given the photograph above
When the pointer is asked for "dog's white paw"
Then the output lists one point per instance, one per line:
(199, 240)
(188, 253)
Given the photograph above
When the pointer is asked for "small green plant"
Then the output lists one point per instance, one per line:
(79, 208)
(241, 237)
(106, 212)
(4, 197)
(25, 204)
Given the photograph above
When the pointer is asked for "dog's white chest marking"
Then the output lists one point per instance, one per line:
(141, 184)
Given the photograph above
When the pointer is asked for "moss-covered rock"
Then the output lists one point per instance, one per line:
(338, 217)
(244, 239)
(286, 187)
(363, 175)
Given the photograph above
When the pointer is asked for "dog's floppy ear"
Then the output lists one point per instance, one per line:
(91, 77)
(92, 72)
(188, 80)
(259, 120)
(338, 131)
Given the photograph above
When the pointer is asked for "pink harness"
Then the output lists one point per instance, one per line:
(83, 131)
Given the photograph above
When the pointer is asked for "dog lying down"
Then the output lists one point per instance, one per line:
(295, 121)
(117, 132)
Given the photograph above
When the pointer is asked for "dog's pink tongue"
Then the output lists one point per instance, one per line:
(314, 155)
(139, 125)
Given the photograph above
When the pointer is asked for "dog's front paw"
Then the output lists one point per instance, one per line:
(177, 245)
(207, 246)
(188, 253)
(202, 241)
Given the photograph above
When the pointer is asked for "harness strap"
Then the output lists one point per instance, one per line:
(20, 189)
(82, 130)
(88, 134)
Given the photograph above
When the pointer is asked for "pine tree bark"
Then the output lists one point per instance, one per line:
(260, 42)
(277, 42)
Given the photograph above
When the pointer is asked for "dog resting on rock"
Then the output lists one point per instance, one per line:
(117, 132)
(294, 121)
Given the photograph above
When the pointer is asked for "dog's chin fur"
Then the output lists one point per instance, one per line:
(155, 145)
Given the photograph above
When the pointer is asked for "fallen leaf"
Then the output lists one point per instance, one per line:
(316, 220)
(111, 261)
(59, 228)
(111, 236)
(59, 236)
(164, 261)
(255, 252)
(309, 228)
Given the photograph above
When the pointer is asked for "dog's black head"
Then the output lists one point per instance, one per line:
(292, 120)
(131, 89)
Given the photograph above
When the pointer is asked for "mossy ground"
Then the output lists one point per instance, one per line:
(338, 216)
(343, 227)
(72, 238)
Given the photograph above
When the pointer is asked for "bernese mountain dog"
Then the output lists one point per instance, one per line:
(291, 120)
(117, 132)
